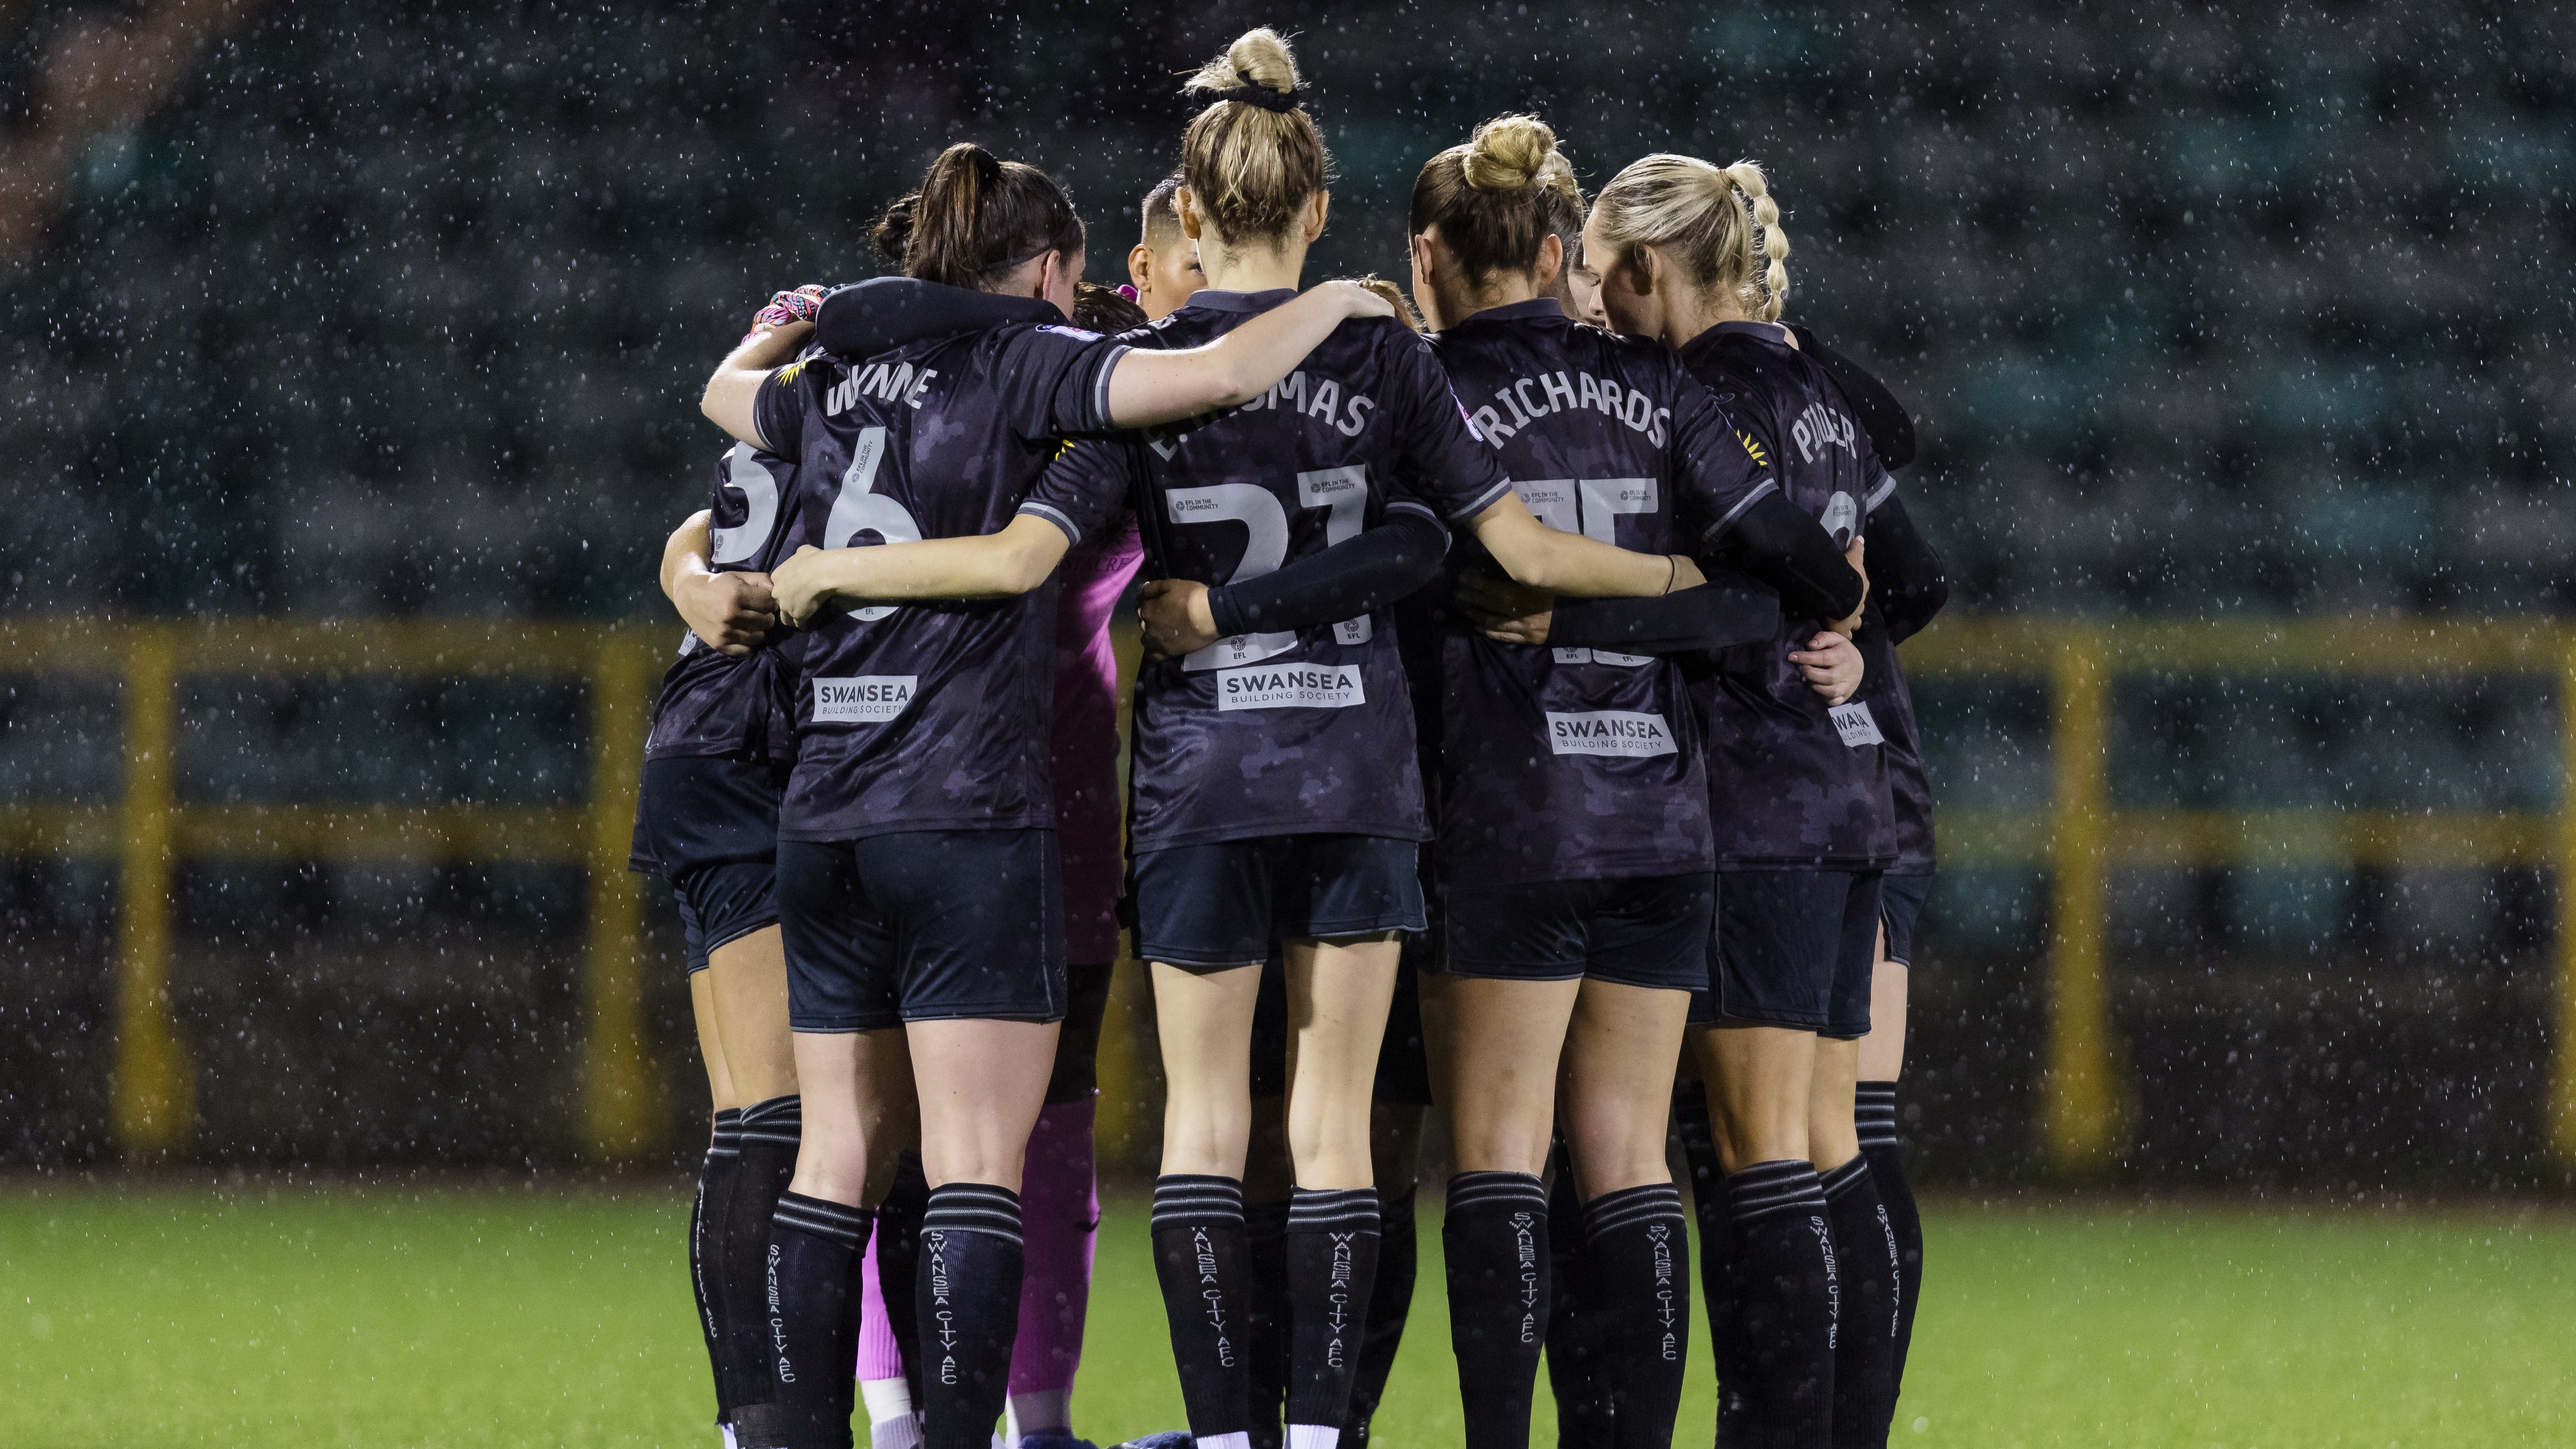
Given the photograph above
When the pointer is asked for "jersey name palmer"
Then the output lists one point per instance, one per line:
(1531, 398)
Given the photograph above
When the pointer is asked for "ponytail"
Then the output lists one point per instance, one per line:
(1253, 157)
(975, 218)
(1719, 223)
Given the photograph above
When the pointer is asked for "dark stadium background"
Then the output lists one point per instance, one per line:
(328, 310)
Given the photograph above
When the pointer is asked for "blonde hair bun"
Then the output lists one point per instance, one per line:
(1261, 56)
(1509, 152)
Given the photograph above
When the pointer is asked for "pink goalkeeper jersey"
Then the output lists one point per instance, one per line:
(1084, 743)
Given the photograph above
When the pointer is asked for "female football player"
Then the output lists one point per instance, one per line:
(1275, 793)
(1573, 841)
(1692, 255)
(706, 819)
(918, 877)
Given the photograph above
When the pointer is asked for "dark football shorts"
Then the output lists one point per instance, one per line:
(1650, 931)
(924, 925)
(1403, 1072)
(709, 825)
(1215, 907)
(1900, 904)
(1795, 948)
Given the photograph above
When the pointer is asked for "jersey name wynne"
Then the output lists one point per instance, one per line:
(1532, 398)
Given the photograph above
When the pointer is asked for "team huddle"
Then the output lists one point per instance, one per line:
(1520, 735)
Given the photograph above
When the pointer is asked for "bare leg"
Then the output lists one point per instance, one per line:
(1494, 1059)
(1205, 1021)
(1832, 1138)
(747, 979)
(1882, 1052)
(702, 1010)
(982, 1083)
(857, 1091)
(1619, 1087)
(1759, 1078)
(1338, 995)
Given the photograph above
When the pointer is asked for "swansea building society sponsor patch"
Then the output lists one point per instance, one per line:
(1856, 725)
(1609, 732)
(864, 699)
(1289, 686)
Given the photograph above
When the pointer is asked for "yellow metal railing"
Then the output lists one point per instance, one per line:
(2079, 838)
(150, 830)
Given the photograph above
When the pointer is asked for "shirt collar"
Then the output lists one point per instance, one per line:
(1261, 301)
(1534, 308)
(1773, 333)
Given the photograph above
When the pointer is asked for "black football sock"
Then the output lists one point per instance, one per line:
(1637, 1245)
(969, 1294)
(1874, 1113)
(1199, 1260)
(765, 1137)
(1390, 1303)
(706, 1258)
(1265, 1318)
(1495, 1244)
(1574, 1370)
(1781, 1283)
(899, 1261)
(1708, 1209)
(1332, 1266)
(1865, 1325)
(814, 1295)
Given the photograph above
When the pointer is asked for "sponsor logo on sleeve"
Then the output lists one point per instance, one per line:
(1620, 732)
(865, 699)
(1853, 722)
(1290, 686)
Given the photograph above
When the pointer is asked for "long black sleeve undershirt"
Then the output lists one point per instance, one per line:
(1775, 541)
(1907, 580)
(1351, 578)
(1728, 609)
(1881, 416)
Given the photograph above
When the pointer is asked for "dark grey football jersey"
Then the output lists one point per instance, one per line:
(930, 715)
(1566, 764)
(1303, 731)
(1791, 783)
(713, 703)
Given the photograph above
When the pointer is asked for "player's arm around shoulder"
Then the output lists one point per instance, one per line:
(987, 566)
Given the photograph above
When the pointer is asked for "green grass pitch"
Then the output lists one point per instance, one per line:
(163, 1316)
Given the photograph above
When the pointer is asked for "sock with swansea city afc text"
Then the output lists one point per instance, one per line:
(969, 1298)
(1874, 1114)
(1494, 1242)
(1637, 1267)
(1332, 1267)
(1199, 1259)
(1778, 1376)
(1865, 1328)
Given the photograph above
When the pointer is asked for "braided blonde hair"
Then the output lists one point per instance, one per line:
(1719, 222)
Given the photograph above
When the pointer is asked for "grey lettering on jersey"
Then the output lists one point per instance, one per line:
(1548, 393)
(759, 488)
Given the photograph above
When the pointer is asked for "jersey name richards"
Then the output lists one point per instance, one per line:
(1570, 764)
(930, 715)
(1296, 731)
(1792, 784)
(711, 702)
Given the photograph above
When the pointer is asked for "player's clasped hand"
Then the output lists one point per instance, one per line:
(732, 612)
(801, 585)
(1831, 665)
(1175, 618)
(1508, 612)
